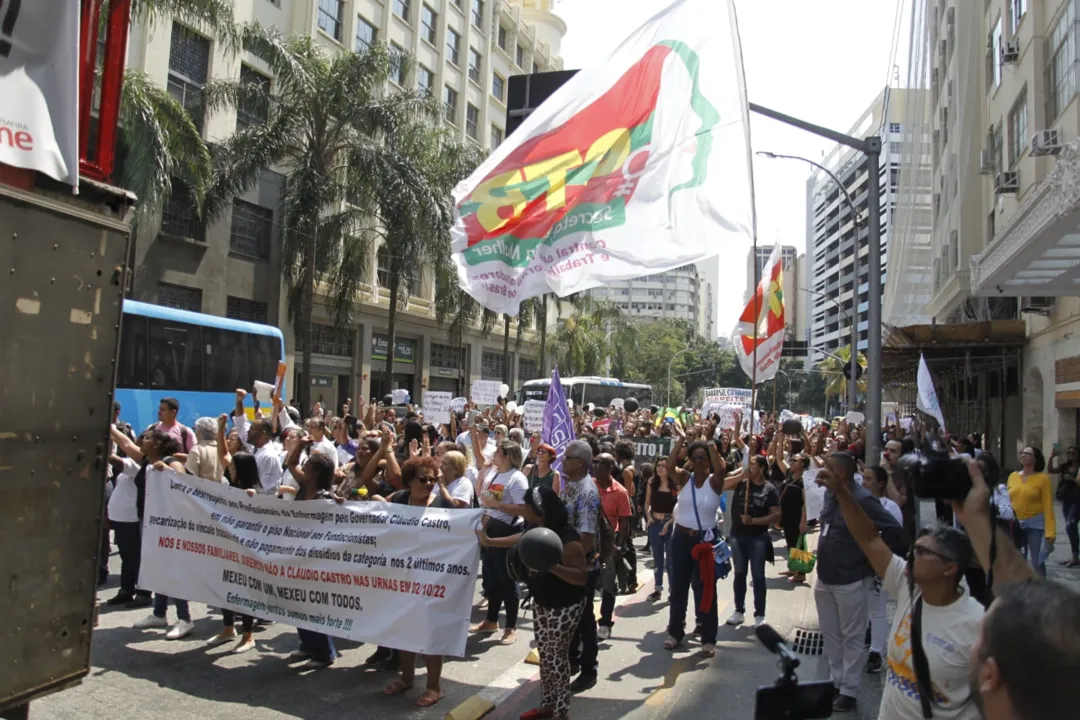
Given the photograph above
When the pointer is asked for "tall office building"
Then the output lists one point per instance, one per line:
(679, 294)
(465, 51)
(837, 240)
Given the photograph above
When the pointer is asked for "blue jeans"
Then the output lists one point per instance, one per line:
(1033, 543)
(750, 550)
(658, 545)
(685, 573)
(318, 645)
(1071, 508)
(161, 606)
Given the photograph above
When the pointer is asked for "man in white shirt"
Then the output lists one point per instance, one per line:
(321, 445)
(259, 436)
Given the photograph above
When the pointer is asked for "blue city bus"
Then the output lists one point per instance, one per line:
(198, 359)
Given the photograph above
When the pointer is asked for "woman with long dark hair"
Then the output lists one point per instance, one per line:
(243, 473)
(558, 599)
(660, 493)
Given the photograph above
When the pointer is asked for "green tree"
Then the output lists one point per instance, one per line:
(342, 141)
(835, 371)
(596, 331)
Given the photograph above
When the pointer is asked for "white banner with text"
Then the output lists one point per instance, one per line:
(386, 574)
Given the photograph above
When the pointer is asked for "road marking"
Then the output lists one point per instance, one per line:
(658, 698)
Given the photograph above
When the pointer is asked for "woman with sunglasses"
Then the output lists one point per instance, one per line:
(419, 475)
(540, 472)
(694, 524)
(1029, 491)
(1068, 492)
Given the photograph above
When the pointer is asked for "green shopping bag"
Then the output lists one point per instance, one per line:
(801, 560)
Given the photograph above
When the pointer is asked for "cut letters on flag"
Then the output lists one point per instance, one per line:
(558, 428)
(928, 400)
(765, 313)
(639, 164)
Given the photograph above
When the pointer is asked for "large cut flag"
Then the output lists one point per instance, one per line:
(558, 429)
(765, 312)
(928, 401)
(638, 164)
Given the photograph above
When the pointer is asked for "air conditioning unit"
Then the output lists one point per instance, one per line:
(950, 15)
(1046, 142)
(1006, 182)
(986, 162)
(1037, 305)
(1010, 51)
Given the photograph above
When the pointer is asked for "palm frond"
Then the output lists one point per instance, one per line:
(214, 17)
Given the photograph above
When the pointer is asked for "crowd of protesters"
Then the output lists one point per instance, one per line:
(732, 479)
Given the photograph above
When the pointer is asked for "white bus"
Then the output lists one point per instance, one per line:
(599, 391)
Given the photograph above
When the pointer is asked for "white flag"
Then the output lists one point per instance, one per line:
(638, 164)
(39, 87)
(928, 401)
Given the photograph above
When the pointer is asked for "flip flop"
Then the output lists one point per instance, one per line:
(429, 698)
(396, 687)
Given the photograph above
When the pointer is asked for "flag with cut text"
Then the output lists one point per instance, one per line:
(558, 428)
(759, 335)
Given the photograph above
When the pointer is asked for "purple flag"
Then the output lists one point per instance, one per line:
(558, 427)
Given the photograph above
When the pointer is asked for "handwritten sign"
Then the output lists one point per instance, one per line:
(486, 392)
(437, 406)
(815, 494)
(534, 415)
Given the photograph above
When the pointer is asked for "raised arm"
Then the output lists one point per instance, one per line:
(123, 442)
(719, 477)
(224, 456)
(292, 461)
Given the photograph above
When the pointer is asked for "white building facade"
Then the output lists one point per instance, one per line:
(680, 294)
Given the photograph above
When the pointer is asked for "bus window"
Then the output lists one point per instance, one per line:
(602, 395)
(175, 356)
(264, 354)
(133, 370)
(226, 360)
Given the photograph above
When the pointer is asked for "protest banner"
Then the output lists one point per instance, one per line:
(437, 406)
(534, 415)
(486, 392)
(729, 396)
(458, 404)
(814, 493)
(649, 450)
(382, 573)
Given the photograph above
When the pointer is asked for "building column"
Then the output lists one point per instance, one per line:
(357, 365)
(423, 365)
(476, 358)
(363, 360)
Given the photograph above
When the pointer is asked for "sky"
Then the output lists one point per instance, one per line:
(822, 61)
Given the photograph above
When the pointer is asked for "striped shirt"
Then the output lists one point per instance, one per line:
(840, 561)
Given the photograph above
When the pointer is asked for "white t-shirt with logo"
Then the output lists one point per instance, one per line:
(948, 634)
(508, 488)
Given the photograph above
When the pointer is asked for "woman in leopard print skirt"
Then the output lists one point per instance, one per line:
(558, 598)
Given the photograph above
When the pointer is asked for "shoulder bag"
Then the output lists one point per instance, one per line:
(721, 550)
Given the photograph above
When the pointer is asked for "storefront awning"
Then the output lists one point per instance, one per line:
(1038, 252)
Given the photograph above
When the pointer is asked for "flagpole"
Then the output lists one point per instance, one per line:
(740, 72)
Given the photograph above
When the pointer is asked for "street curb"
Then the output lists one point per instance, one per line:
(474, 708)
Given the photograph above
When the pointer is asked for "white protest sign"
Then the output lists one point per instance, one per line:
(437, 406)
(815, 494)
(400, 396)
(854, 418)
(458, 404)
(382, 573)
(729, 396)
(618, 403)
(264, 392)
(486, 392)
(534, 415)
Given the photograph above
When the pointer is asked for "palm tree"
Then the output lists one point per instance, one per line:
(336, 133)
(834, 368)
(586, 339)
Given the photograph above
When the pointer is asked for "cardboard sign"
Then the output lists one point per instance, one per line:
(437, 406)
(458, 404)
(486, 392)
(534, 415)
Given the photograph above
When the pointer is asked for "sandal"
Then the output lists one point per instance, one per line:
(429, 698)
(671, 643)
(798, 578)
(484, 627)
(396, 686)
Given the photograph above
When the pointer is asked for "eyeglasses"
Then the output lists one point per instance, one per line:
(426, 478)
(921, 551)
(699, 458)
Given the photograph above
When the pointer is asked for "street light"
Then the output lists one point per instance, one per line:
(667, 401)
(852, 320)
(788, 384)
(853, 317)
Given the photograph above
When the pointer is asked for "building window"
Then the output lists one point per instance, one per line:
(178, 215)
(252, 113)
(401, 9)
(498, 86)
(536, 68)
(425, 79)
(453, 46)
(189, 63)
(450, 104)
(399, 70)
(502, 37)
(252, 228)
(428, 24)
(527, 369)
(445, 356)
(1018, 128)
(329, 340)
(382, 267)
(472, 120)
(995, 55)
(1060, 82)
(998, 144)
(365, 34)
(474, 65)
(496, 136)
(1017, 8)
(478, 13)
(329, 19)
(519, 57)
(491, 365)
(244, 309)
(894, 128)
(179, 297)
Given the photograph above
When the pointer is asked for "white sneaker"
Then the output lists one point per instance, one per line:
(603, 632)
(736, 618)
(759, 620)
(182, 628)
(151, 621)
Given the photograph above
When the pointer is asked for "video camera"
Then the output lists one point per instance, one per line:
(937, 475)
(786, 699)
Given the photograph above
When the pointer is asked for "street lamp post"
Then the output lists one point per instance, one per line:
(853, 370)
(667, 401)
